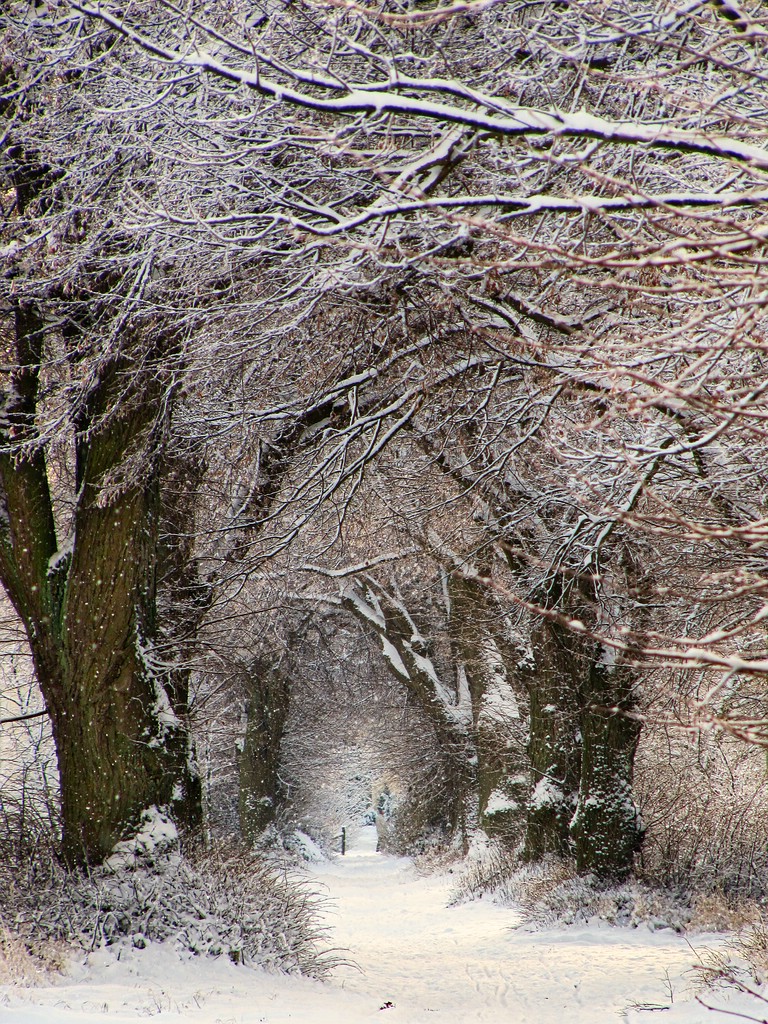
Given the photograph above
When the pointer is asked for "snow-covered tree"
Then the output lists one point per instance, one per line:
(529, 237)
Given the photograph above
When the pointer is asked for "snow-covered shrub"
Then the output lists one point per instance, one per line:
(226, 902)
(704, 802)
(551, 894)
(487, 868)
(302, 847)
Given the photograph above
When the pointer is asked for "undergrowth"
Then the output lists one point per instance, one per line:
(705, 806)
(551, 893)
(223, 902)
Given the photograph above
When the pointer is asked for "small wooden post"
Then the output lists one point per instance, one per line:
(343, 841)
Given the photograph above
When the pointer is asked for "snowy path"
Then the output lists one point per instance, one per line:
(467, 964)
(461, 965)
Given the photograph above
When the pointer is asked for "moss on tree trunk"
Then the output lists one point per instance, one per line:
(554, 744)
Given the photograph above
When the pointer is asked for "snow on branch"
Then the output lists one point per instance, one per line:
(355, 570)
(520, 206)
(405, 650)
(423, 99)
(353, 599)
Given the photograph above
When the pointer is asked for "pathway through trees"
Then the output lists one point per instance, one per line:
(470, 964)
(419, 962)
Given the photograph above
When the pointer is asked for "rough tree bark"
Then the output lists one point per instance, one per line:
(606, 829)
(260, 790)
(554, 744)
(583, 740)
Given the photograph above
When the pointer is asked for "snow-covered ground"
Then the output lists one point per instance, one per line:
(418, 962)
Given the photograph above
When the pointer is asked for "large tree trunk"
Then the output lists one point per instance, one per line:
(554, 745)
(260, 792)
(606, 829)
(479, 651)
(183, 600)
(89, 606)
(120, 741)
(582, 746)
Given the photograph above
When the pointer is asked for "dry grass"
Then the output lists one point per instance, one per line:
(27, 964)
(722, 912)
(752, 946)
